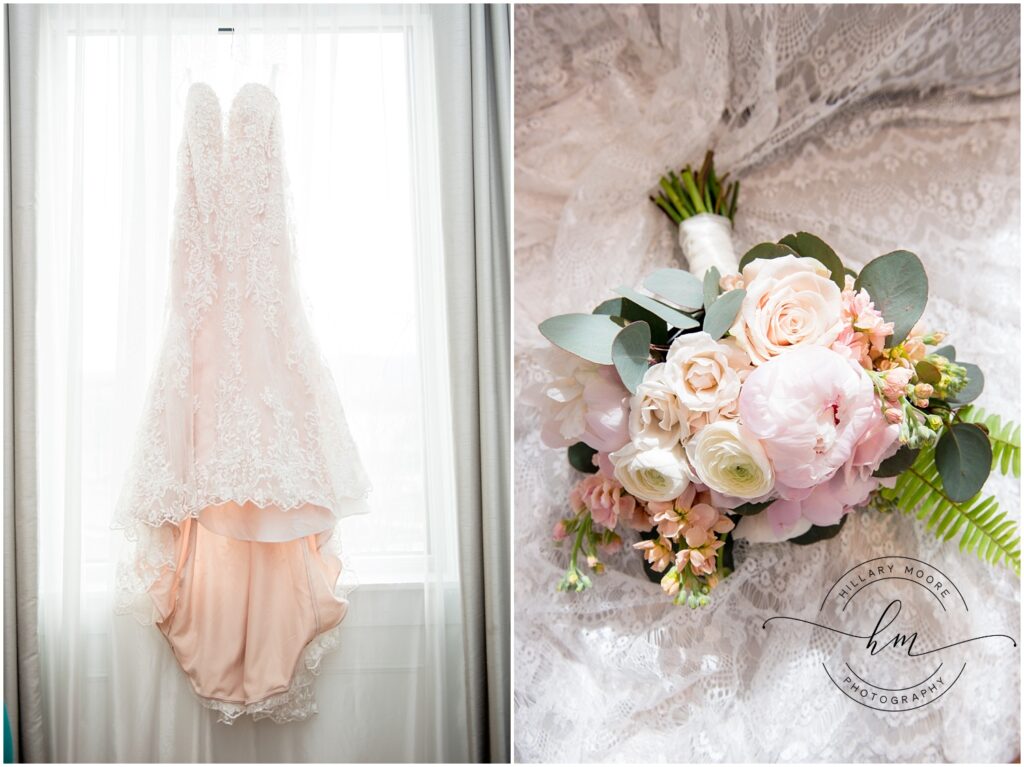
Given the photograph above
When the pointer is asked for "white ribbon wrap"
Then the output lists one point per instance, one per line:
(706, 240)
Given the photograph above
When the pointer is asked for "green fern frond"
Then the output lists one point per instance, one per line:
(982, 527)
(1004, 436)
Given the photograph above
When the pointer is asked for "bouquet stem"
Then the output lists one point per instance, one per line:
(703, 206)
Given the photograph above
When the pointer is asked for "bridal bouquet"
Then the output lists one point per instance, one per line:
(763, 398)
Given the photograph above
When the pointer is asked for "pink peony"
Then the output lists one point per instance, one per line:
(826, 503)
(584, 402)
(810, 408)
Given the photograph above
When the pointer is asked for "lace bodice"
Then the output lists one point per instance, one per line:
(241, 406)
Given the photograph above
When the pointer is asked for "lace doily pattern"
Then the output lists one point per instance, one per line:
(875, 127)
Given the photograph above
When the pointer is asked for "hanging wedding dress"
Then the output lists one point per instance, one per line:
(244, 463)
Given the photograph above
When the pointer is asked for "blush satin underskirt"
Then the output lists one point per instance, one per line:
(252, 587)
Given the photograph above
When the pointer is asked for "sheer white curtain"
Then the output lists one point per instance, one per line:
(356, 87)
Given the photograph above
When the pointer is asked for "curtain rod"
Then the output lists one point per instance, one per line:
(389, 27)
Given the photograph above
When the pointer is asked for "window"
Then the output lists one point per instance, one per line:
(370, 269)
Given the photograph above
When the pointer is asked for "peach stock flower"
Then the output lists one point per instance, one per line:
(863, 333)
(604, 498)
(700, 558)
(690, 511)
(657, 552)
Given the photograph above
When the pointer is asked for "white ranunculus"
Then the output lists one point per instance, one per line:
(656, 416)
(707, 375)
(790, 302)
(706, 240)
(652, 473)
(729, 459)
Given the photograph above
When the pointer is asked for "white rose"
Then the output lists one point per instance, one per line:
(652, 473)
(790, 302)
(707, 375)
(729, 459)
(656, 416)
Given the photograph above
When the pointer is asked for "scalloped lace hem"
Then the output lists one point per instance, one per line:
(342, 506)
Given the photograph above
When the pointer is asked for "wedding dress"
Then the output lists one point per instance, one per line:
(244, 462)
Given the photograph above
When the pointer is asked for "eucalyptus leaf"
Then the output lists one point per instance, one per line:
(898, 285)
(720, 316)
(820, 533)
(673, 317)
(810, 246)
(581, 458)
(711, 286)
(589, 336)
(948, 351)
(974, 387)
(963, 456)
(766, 250)
(897, 463)
(626, 309)
(750, 509)
(630, 352)
(678, 286)
(927, 372)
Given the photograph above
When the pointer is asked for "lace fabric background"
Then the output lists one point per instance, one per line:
(875, 127)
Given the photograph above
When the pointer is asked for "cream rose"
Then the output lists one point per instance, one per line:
(656, 416)
(790, 302)
(707, 376)
(726, 457)
(652, 473)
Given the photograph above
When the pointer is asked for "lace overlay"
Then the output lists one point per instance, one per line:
(241, 406)
(875, 127)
